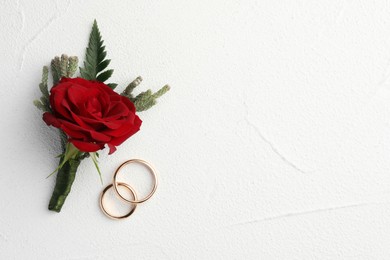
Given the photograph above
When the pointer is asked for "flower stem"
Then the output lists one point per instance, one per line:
(65, 177)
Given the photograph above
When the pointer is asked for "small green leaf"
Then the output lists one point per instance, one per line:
(71, 152)
(59, 156)
(104, 75)
(102, 54)
(112, 85)
(95, 162)
(102, 65)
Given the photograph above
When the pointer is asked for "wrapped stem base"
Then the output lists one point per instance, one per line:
(65, 177)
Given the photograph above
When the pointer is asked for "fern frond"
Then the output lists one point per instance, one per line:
(95, 61)
(112, 85)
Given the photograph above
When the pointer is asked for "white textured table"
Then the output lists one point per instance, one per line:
(274, 142)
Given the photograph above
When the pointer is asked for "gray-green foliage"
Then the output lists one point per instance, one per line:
(72, 66)
(60, 67)
(63, 67)
(56, 69)
(129, 89)
(146, 99)
(95, 61)
(43, 103)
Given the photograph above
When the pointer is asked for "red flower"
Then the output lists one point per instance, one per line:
(91, 114)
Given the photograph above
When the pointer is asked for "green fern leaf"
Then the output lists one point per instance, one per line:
(95, 55)
(104, 75)
(112, 85)
(103, 65)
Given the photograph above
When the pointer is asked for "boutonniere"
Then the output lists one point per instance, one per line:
(89, 114)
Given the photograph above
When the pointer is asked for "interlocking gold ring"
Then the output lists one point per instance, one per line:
(113, 216)
(150, 168)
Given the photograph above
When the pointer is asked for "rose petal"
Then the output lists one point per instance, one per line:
(57, 95)
(74, 131)
(112, 148)
(86, 146)
(99, 137)
(51, 120)
(132, 130)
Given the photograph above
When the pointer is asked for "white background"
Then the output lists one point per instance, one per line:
(274, 142)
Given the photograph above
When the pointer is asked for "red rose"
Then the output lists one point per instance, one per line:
(91, 114)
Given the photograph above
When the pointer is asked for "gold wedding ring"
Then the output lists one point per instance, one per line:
(152, 171)
(135, 201)
(132, 191)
